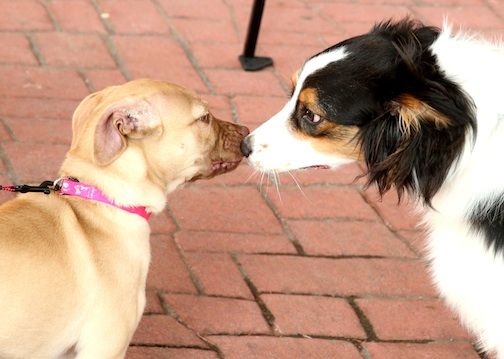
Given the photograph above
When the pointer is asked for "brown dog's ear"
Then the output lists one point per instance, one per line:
(123, 121)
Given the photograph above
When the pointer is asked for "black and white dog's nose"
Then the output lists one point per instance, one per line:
(246, 146)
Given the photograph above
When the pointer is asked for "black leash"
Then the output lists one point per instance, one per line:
(45, 187)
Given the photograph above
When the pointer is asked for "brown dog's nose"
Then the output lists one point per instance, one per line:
(246, 146)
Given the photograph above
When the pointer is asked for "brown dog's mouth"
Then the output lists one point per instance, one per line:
(221, 166)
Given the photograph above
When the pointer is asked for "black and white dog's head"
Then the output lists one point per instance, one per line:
(381, 98)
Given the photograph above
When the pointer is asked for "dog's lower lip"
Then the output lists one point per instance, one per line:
(320, 167)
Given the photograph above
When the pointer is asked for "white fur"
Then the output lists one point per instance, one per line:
(467, 273)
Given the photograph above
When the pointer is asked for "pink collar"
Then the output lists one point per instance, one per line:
(70, 187)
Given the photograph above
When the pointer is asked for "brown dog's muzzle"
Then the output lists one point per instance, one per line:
(225, 155)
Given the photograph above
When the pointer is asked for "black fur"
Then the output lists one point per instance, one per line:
(391, 61)
(488, 217)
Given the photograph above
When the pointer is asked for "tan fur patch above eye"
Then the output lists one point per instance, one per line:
(412, 111)
(309, 98)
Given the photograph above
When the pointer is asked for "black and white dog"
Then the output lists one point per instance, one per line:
(424, 110)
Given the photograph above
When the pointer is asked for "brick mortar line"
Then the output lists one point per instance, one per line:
(363, 319)
(84, 79)
(194, 278)
(171, 312)
(109, 28)
(391, 228)
(283, 222)
(12, 135)
(186, 47)
(417, 298)
(169, 346)
(343, 339)
(266, 313)
(109, 44)
(232, 15)
(11, 174)
(337, 257)
(51, 16)
(35, 49)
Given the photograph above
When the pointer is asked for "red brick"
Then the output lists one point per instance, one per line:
(309, 315)
(289, 58)
(37, 108)
(466, 16)
(283, 348)
(153, 304)
(137, 52)
(223, 209)
(209, 315)
(164, 330)
(76, 15)
(23, 15)
(209, 31)
(348, 238)
(167, 271)
(368, 13)
(233, 82)
(291, 36)
(411, 319)
(162, 223)
(77, 50)
(169, 63)
(133, 16)
(164, 353)
(421, 351)
(215, 10)
(35, 162)
(41, 82)
(396, 215)
(254, 110)
(217, 55)
(233, 242)
(299, 19)
(290, 274)
(218, 275)
(41, 130)
(322, 202)
(100, 79)
(15, 48)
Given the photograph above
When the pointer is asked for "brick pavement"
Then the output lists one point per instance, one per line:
(237, 271)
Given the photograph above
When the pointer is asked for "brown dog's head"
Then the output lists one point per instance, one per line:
(149, 133)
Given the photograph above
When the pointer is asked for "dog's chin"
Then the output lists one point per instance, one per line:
(217, 168)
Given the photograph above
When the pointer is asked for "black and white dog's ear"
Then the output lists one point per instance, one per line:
(411, 147)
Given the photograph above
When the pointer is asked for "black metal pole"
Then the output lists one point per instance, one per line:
(248, 59)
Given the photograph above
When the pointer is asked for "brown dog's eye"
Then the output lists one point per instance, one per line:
(205, 118)
(311, 118)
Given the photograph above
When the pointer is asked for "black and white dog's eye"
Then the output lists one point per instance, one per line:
(310, 117)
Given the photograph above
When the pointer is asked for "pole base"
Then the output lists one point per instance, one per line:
(255, 63)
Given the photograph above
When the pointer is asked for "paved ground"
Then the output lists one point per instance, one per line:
(238, 272)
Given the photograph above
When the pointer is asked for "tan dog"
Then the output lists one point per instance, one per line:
(73, 271)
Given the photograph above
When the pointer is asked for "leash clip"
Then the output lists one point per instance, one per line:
(45, 188)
